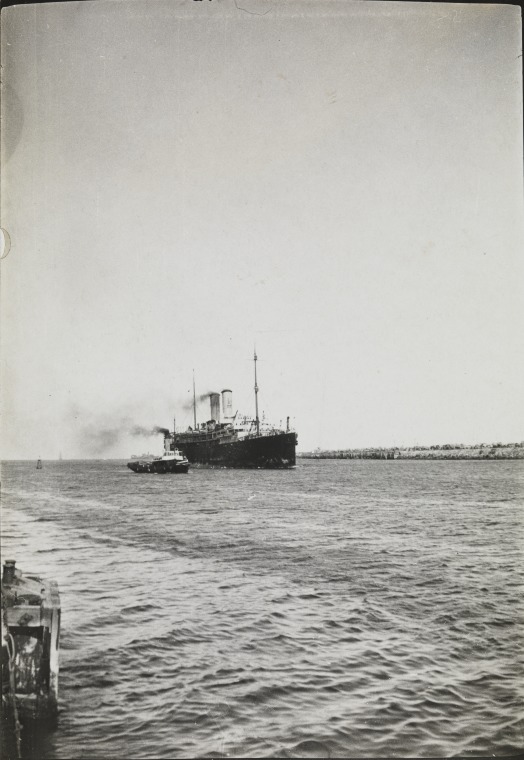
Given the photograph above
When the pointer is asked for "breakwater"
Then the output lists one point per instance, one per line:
(447, 451)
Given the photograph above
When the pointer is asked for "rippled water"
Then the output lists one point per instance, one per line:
(342, 609)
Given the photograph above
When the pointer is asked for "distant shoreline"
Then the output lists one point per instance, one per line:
(447, 451)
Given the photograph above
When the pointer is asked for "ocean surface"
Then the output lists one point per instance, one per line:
(359, 609)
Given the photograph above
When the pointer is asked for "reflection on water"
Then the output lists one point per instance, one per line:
(342, 609)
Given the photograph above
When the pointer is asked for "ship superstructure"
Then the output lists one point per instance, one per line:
(231, 439)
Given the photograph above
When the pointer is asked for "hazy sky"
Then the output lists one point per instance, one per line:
(339, 182)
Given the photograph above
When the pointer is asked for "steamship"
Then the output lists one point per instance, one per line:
(230, 439)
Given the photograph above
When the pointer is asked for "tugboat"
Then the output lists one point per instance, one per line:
(30, 644)
(172, 461)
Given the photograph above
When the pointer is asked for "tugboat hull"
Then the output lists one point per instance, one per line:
(159, 466)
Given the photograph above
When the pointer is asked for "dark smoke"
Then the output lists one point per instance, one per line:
(204, 396)
(146, 432)
(187, 405)
(99, 438)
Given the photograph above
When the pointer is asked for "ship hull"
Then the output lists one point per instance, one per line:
(265, 451)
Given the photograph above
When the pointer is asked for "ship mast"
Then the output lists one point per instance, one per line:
(256, 395)
(194, 400)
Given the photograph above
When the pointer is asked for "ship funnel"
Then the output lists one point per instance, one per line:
(214, 399)
(227, 403)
